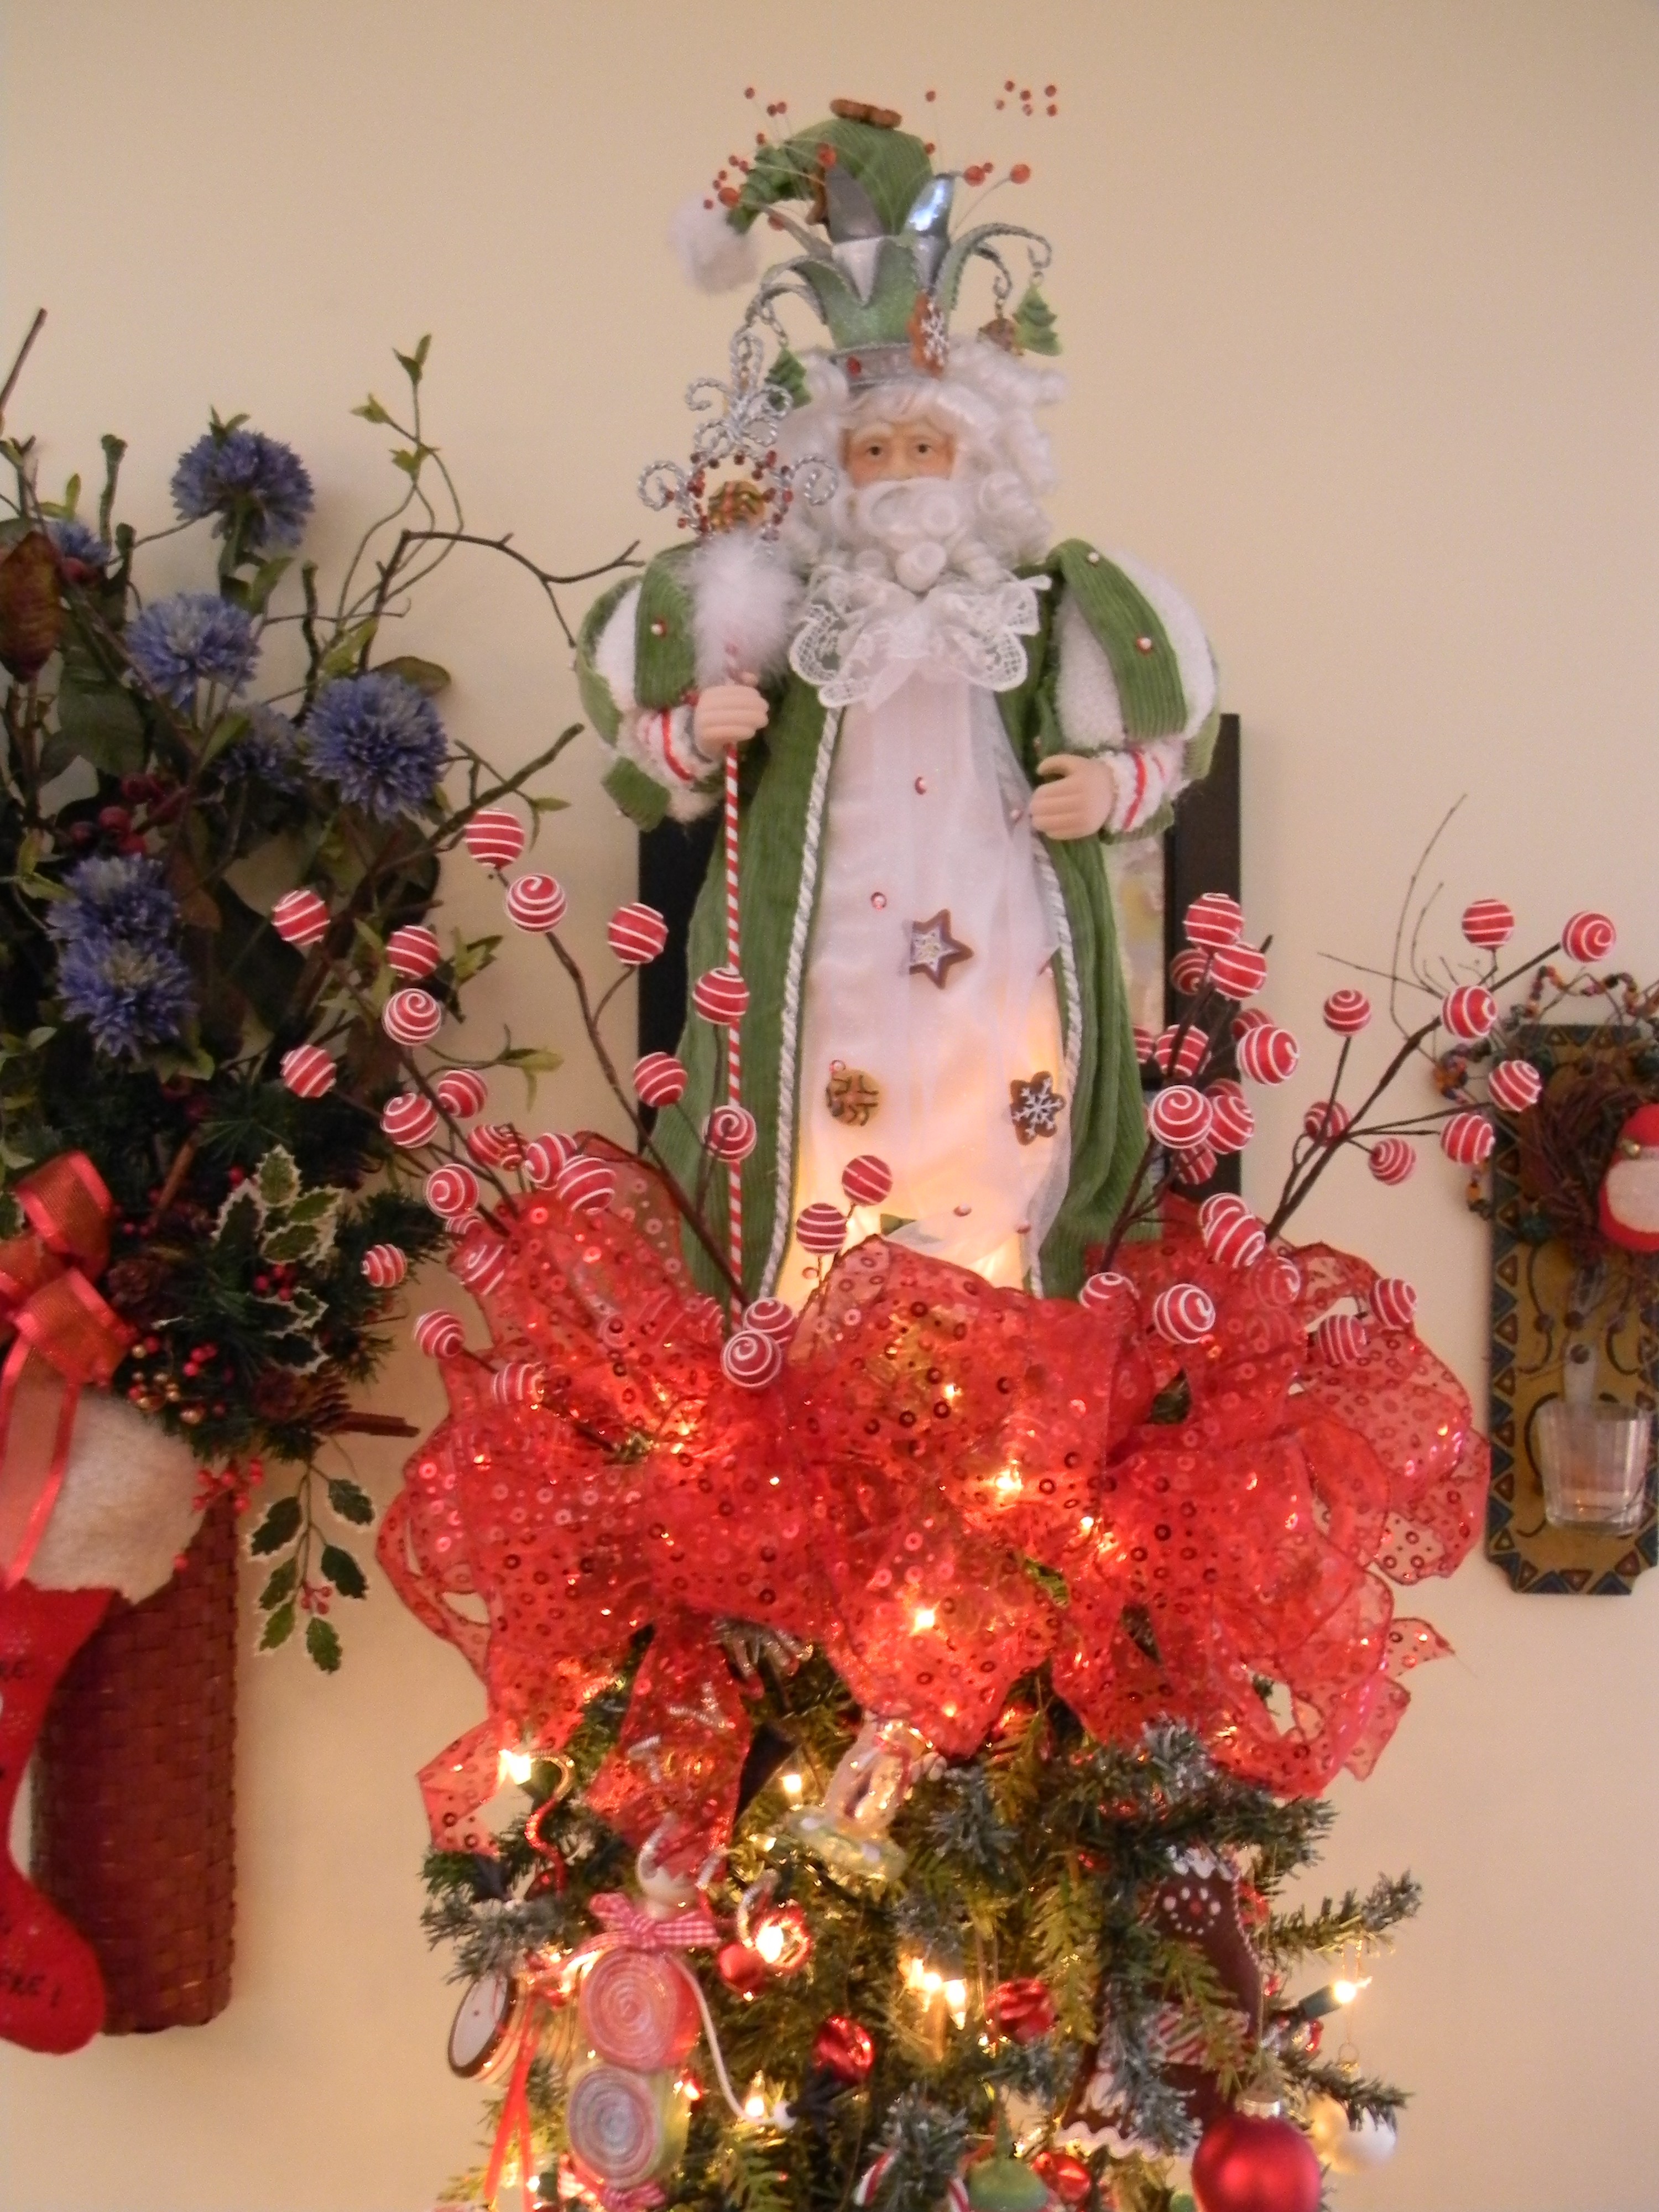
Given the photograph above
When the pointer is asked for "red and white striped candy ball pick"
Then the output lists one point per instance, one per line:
(413, 950)
(1182, 1050)
(1146, 1044)
(301, 918)
(1232, 1122)
(308, 1071)
(1238, 971)
(659, 1079)
(536, 903)
(732, 1133)
(412, 1017)
(1232, 1236)
(636, 934)
(1184, 1313)
(719, 994)
(547, 1156)
(1214, 919)
(1467, 1140)
(439, 1334)
(1195, 1166)
(409, 1119)
(1488, 923)
(1189, 970)
(821, 1228)
(1514, 1084)
(481, 1263)
(751, 1359)
(520, 1383)
(384, 1266)
(495, 837)
(1109, 1292)
(772, 1317)
(496, 1144)
(1180, 1117)
(1347, 1012)
(867, 1179)
(1391, 1159)
(1325, 1121)
(1469, 1012)
(450, 1190)
(1393, 1301)
(1588, 936)
(1341, 1340)
(462, 1091)
(1268, 1054)
(587, 1186)
(1247, 1018)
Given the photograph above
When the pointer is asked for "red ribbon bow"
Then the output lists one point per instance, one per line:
(64, 1337)
(628, 1924)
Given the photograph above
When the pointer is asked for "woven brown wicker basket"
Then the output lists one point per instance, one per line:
(134, 1794)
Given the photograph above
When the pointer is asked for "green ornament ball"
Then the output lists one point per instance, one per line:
(1005, 2184)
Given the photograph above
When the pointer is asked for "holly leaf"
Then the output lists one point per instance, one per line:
(279, 1178)
(343, 1572)
(279, 1626)
(281, 1584)
(323, 1643)
(280, 1526)
(351, 1502)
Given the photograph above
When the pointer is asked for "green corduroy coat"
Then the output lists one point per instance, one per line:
(785, 778)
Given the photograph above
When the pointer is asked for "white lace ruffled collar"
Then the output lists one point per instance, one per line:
(862, 635)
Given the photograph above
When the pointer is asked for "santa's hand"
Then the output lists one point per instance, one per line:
(1078, 798)
(727, 715)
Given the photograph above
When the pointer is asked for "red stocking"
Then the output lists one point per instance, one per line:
(52, 1994)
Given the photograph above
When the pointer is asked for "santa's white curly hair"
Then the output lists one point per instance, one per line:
(987, 399)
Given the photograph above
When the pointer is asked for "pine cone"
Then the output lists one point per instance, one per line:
(285, 1400)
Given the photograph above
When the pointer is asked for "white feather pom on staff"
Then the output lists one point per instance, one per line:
(714, 257)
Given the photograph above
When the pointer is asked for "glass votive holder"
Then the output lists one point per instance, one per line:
(1593, 1463)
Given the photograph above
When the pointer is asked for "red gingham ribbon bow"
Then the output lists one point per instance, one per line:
(627, 1922)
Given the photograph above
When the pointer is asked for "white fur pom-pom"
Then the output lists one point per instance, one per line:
(126, 1509)
(714, 257)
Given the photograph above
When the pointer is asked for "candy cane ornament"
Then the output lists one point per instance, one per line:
(734, 1032)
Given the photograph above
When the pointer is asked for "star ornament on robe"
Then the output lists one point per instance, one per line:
(934, 952)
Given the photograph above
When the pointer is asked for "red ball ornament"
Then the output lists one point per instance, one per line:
(1247, 1018)
(1181, 1051)
(413, 952)
(772, 1317)
(1347, 1013)
(637, 935)
(866, 1180)
(1022, 2009)
(751, 1359)
(783, 1939)
(659, 1079)
(308, 1071)
(845, 2048)
(1195, 1166)
(719, 994)
(740, 1968)
(384, 1266)
(520, 1382)
(1232, 1122)
(481, 1263)
(1232, 1236)
(1488, 923)
(1247, 2164)
(546, 1157)
(1325, 1121)
(496, 1144)
(1180, 1116)
(461, 1091)
(412, 1017)
(1268, 1054)
(1469, 1011)
(1239, 971)
(1108, 1293)
(588, 1185)
(1515, 1085)
(536, 903)
(1066, 2175)
(1588, 936)
(821, 1228)
(1184, 1313)
(439, 1334)
(1188, 971)
(495, 837)
(732, 1133)
(409, 1119)
(1214, 919)
(450, 1190)
(1393, 1159)
(1393, 1301)
(301, 918)
(1467, 1140)
(1341, 1340)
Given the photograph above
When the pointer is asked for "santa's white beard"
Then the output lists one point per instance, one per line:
(915, 529)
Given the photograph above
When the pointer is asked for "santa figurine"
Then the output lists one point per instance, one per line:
(942, 715)
(1630, 1189)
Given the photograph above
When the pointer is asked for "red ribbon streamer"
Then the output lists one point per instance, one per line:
(64, 1337)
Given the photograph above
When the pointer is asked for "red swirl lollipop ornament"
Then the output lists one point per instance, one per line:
(637, 935)
(751, 1359)
(1588, 936)
(413, 952)
(536, 903)
(412, 1017)
(409, 1119)
(495, 837)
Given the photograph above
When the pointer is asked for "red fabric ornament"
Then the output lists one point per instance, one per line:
(659, 1079)
(409, 1119)
(1179, 1116)
(1588, 936)
(1468, 1139)
(413, 950)
(866, 1180)
(1347, 1013)
(845, 2048)
(1488, 923)
(495, 837)
(1247, 2164)
(384, 1266)
(1022, 2009)
(1214, 919)
(537, 903)
(1514, 1084)
(1469, 1012)
(1393, 1159)
(301, 918)
(637, 935)
(308, 1071)
(461, 1091)
(411, 1017)
(720, 995)
(1238, 971)
(1268, 1054)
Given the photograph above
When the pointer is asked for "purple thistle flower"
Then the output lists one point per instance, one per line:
(268, 751)
(75, 542)
(259, 487)
(380, 740)
(115, 897)
(129, 995)
(194, 637)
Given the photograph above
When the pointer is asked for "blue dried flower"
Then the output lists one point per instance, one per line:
(380, 740)
(194, 637)
(116, 897)
(75, 542)
(129, 995)
(257, 487)
(268, 752)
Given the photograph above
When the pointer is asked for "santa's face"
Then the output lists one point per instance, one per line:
(885, 452)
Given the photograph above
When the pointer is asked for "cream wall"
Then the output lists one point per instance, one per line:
(1359, 303)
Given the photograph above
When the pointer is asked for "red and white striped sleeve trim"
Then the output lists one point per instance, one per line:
(1148, 775)
(665, 735)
